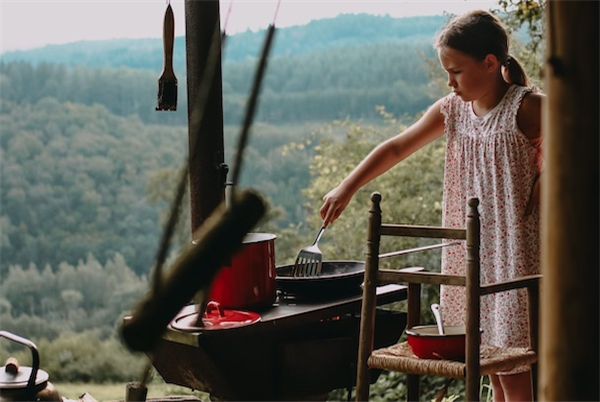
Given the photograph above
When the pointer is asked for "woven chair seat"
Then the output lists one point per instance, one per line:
(400, 357)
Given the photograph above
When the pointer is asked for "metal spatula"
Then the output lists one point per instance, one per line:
(310, 259)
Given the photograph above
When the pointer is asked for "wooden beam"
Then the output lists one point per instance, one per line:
(391, 229)
(523, 282)
(429, 278)
(569, 315)
(206, 149)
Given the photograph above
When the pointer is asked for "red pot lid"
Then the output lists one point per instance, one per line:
(215, 318)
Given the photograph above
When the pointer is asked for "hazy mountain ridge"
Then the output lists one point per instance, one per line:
(325, 70)
(326, 34)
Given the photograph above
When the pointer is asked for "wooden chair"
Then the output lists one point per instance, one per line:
(479, 359)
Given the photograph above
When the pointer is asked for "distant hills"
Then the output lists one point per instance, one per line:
(325, 70)
(343, 31)
(88, 163)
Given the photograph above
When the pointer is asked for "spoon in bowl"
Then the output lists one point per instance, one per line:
(438, 317)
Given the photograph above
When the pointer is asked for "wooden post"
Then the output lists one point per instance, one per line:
(135, 392)
(367, 314)
(206, 149)
(570, 259)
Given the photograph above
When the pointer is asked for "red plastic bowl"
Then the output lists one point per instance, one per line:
(426, 342)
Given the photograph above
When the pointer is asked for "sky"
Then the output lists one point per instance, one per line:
(28, 24)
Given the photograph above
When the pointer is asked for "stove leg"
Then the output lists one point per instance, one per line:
(135, 392)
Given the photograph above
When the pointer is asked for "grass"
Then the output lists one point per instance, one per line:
(158, 388)
(116, 392)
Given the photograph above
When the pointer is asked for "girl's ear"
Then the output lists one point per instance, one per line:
(491, 62)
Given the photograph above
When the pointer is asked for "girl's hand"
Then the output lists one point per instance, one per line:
(334, 204)
(534, 198)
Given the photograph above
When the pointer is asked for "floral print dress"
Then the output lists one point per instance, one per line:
(489, 158)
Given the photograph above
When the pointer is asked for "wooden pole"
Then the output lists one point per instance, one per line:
(206, 149)
(369, 303)
(569, 321)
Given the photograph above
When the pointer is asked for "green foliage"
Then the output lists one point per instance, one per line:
(73, 182)
(79, 180)
(317, 87)
(411, 191)
(121, 90)
(527, 15)
(77, 298)
(72, 316)
(84, 356)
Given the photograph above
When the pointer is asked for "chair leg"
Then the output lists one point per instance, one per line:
(472, 388)
(413, 319)
(534, 379)
(412, 385)
(366, 334)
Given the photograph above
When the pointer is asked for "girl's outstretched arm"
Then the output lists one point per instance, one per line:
(386, 155)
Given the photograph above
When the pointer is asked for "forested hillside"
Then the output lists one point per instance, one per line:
(88, 166)
(322, 86)
(83, 147)
(73, 182)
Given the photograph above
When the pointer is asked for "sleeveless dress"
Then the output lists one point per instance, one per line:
(489, 158)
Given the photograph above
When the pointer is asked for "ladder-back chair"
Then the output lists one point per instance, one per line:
(479, 359)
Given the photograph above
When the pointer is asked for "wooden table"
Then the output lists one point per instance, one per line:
(297, 350)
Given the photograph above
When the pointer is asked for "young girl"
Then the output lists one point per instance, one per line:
(492, 124)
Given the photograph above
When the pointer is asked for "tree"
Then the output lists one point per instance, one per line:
(528, 14)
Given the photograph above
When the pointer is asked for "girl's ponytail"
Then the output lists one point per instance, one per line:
(515, 73)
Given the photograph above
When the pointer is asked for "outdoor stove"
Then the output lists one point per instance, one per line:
(297, 351)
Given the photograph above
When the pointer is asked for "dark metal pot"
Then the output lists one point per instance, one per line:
(19, 383)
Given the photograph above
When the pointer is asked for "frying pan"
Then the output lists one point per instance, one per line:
(337, 277)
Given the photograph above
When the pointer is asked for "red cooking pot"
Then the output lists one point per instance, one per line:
(249, 281)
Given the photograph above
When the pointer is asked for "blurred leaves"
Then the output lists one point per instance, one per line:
(527, 16)
(411, 191)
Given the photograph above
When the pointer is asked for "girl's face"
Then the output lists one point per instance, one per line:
(469, 78)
